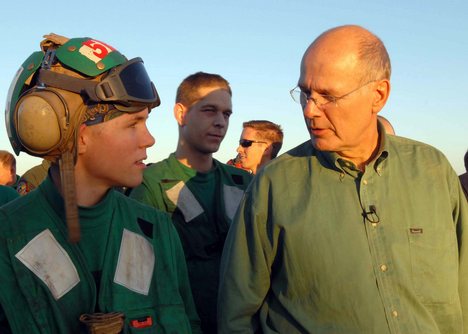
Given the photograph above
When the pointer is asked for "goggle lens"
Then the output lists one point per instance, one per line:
(129, 87)
(137, 83)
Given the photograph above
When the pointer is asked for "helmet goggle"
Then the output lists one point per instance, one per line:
(127, 86)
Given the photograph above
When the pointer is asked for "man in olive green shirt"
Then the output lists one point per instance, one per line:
(353, 231)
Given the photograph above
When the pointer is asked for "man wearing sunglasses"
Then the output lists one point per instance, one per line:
(75, 255)
(260, 143)
(200, 193)
(353, 231)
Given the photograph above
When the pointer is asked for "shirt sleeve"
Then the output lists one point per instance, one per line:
(246, 263)
(149, 194)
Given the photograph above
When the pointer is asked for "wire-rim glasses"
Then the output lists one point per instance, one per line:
(322, 100)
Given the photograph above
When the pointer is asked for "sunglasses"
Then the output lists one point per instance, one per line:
(247, 143)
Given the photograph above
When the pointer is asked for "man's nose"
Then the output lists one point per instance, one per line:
(310, 109)
(220, 120)
(147, 138)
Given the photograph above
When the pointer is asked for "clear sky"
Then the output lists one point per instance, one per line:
(257, 46)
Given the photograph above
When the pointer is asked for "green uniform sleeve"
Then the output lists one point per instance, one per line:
(10, 321)
(246, 264)
(4, 325)
(7, 194)
(147, 194)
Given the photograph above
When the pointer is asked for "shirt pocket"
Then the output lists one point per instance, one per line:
(434, 264)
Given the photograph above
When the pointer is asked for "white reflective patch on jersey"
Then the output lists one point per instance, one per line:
(136, 263)
(232, 198)
(44, 256)
(181, 196)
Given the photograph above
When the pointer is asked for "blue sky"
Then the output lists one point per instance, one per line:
(257, 46)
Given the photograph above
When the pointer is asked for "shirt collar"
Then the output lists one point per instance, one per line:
(334, 161)
(378, 163)
(55, 200)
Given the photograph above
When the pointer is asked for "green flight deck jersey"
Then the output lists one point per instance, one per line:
(7, 194)
(202, 206)
(320, 247)
(129, 260)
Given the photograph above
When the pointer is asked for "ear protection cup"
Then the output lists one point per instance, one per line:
(46, 121)
(42, 116)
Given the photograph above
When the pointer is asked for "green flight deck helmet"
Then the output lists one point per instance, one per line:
(68, 83)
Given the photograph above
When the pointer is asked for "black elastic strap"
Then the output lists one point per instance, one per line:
(71, 84)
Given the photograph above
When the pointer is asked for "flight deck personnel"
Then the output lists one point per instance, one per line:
(200, 193)
(353, 231)
(260, 142)
(75, 255)
(8, 175)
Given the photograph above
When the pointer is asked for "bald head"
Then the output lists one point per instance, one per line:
(344, 83)
(356, 48)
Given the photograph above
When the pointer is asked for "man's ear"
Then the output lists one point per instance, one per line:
(268, 150)
(179, 113)
(381, 94)
(82, 139)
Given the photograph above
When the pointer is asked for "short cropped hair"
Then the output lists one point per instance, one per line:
(269, 131)
(7, 159)
(188, 90)
(374, 58)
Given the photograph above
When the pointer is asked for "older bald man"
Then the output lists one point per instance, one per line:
(353, 231)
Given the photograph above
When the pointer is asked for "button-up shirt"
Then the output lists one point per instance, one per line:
(318, 246)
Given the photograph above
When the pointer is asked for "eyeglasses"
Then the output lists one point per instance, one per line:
(321, 101)
(247, 143)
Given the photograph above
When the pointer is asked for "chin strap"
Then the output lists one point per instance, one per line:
(69, 195)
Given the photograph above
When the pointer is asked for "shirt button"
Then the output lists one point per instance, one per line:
(364, 182)
(383, 268)
(394, 314)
